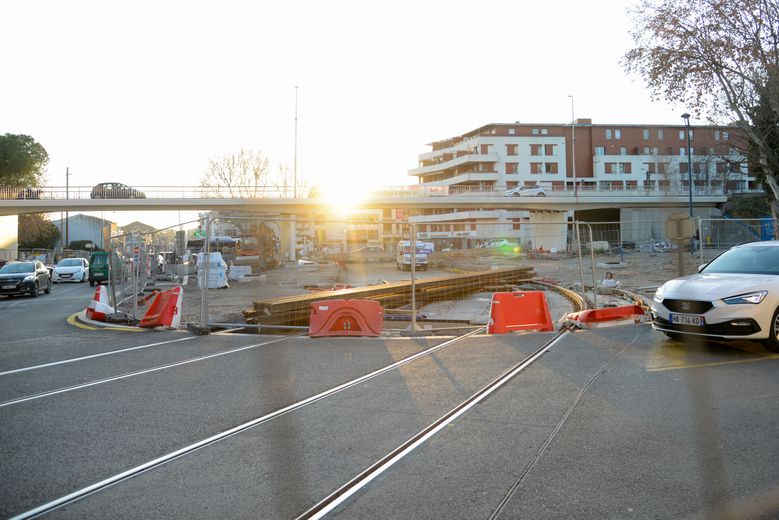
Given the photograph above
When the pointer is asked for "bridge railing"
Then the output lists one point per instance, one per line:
(273, 192)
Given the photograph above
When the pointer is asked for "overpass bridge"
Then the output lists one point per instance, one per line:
(14, 201)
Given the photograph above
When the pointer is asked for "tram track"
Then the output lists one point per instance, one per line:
(191, 448)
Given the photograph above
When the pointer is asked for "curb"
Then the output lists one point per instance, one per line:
(81, 317)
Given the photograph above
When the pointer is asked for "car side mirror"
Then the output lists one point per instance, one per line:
(700, 267)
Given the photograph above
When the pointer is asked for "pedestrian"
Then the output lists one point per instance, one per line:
(160, 263)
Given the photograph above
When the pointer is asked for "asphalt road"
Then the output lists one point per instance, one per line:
(612, 423)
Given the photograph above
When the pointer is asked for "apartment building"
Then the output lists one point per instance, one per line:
(604, 157)
(582, 159)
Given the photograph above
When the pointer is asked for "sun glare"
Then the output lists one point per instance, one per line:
(344, 197)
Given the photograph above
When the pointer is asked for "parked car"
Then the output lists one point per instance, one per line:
(735, 296)
(115, 190)
(29, 193)
(24, 277)
(369, 254)
(526, 191)
(71, 270)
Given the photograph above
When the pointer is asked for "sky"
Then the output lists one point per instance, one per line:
(146, 92)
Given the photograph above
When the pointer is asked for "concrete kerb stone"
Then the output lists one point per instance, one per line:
(82, 318)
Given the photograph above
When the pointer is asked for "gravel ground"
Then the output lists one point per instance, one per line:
(634, 271)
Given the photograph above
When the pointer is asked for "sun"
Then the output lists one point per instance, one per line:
(343, 197)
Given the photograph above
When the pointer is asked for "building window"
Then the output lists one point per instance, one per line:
(647, 150)
(692, 150)
(660, 133)
(681, 135)
(536, 167)
(661, 168)
(548, 149)
(608, 133)
(485, 149)
(512, 131)
(610, 167)
(682, 151)
(535, 131)
(544, 131)
(535, 149)
(650, 167)
(512, 167)
(617, 134)
(646, 134)
(683, 167)
(697, 167)
(725, 136)
(623, 150)
(625, 167)
(551, 167)
(600, 150)
(716, 135)
(511, 149)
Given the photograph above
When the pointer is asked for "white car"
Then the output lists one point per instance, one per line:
(735, 296)
(70, 270)
(526, 191)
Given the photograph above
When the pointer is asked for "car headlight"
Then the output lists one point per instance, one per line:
(753, 298)
(658, 297)
(29, 278)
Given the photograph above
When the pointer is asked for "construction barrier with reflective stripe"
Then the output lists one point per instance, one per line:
(345, 318)
(165, 310)
(519, 311)
(607, 317)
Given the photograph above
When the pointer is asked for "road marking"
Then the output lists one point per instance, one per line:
(133, 374)
(713, 364)
(73, 321)
(93, 356)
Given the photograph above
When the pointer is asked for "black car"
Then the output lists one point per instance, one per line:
(25, 277)
(115, 190)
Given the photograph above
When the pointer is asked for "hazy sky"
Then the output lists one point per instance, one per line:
(146, 92)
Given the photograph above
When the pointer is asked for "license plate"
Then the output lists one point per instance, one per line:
(688, 319)
(63, 275)
(9, 287)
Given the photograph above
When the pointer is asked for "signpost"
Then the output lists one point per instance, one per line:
(680, 228)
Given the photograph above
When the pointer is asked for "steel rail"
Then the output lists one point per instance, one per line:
(340, 495)
(142, 468)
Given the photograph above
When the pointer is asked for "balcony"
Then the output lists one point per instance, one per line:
(457, 161)
(467, 178)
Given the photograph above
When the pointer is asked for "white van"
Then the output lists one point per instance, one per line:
(404, 256)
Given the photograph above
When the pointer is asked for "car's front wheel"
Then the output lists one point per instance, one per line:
(540, 194)
(35, 289)
(772, 341)
(47, 290)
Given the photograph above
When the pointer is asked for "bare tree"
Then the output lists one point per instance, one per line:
(719, 58)
(242, 174)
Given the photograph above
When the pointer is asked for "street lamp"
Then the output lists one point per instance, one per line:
(686, 118)
(573, 149)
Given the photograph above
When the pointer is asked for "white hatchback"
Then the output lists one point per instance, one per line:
(735, 296)
(526, 191)
(71, 270)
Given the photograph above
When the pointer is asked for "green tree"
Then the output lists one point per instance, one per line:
(22, 161)
(36, 231)
(720, 58)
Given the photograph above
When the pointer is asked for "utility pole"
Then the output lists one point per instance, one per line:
(573, 150)
(295, 160)
(67, 196)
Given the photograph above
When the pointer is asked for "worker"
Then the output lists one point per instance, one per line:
(160, 263)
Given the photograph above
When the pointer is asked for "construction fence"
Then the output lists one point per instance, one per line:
(262, 274)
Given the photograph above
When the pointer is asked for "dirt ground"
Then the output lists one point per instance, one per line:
(639, 272)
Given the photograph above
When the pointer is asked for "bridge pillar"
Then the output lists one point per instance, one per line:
(9, 227)
(548, 229)
(288, 237)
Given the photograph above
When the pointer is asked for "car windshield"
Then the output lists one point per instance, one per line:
(19, 267)
(70, 262)
(746, 259)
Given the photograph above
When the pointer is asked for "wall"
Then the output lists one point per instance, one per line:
(9, 229)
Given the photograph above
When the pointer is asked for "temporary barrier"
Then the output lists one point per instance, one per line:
(165, 310)
(142, 300)
(519, 311)
(345, 318)
(607, 317)
(98, 307)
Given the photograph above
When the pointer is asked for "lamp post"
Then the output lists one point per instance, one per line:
(573, 150)
(686, 118)
(295, 160)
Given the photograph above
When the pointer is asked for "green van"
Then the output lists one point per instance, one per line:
(98, 266)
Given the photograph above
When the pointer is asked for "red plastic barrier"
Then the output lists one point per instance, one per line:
(521, 310)
(165, 310)
(608, 316)
(345, 318)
